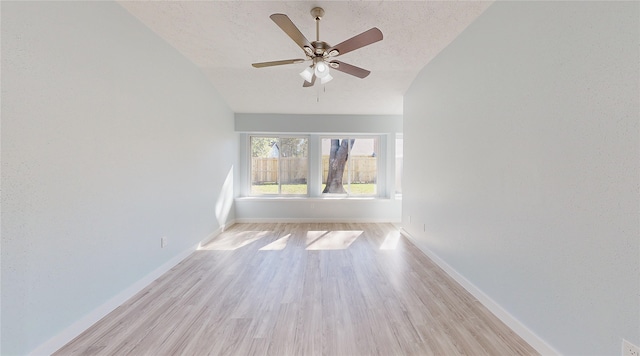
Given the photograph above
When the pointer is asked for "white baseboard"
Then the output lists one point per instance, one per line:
(213, 235)
(75, 329)
(524, 332)
(313, 220)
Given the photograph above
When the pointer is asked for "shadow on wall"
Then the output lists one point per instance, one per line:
(225, 200)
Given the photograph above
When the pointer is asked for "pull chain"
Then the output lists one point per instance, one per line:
(324, 90)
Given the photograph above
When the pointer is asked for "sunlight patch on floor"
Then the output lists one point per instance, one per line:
(234, 241)
(332, 240)
(313, 236)
(278, 244)
(391, 241)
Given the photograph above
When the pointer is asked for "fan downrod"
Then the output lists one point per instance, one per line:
(319, 47)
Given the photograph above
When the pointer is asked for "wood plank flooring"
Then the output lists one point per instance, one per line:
(302, 289)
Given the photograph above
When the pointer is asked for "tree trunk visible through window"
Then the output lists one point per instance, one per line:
(338, 157)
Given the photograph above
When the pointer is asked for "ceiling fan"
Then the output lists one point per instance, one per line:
(321, 53)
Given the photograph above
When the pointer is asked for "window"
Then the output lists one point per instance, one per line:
(318, 165)
(349, 165)
(279, 165)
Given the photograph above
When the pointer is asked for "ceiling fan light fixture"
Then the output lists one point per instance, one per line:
(321, 70)
(307, 74)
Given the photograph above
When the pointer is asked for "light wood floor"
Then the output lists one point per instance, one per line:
(302, 289)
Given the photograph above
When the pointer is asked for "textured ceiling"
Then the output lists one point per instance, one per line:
(223, 38)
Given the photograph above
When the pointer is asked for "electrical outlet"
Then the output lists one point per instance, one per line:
(163, 242)
(629, 349)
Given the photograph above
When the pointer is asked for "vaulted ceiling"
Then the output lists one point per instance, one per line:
(223, 38)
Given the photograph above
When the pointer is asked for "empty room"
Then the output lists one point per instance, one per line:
(320, 178)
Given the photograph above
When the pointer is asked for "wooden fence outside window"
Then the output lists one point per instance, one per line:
(294, 170)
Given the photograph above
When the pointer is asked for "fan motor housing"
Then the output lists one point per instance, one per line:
(320, 47)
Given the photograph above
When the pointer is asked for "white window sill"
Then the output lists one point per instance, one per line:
(302, 198)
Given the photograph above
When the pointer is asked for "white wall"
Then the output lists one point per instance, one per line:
(384, 208)
(110, 140)
(317, 210)
(522, 159)
(318, 123)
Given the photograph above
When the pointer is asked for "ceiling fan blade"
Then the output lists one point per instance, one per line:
(350, 69)
(306, 84)
(277, 63)
(366, 38)
(291, 30)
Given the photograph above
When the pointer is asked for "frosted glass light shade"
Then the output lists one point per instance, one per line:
(326, 79)
(322, 70)
(307, 74)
